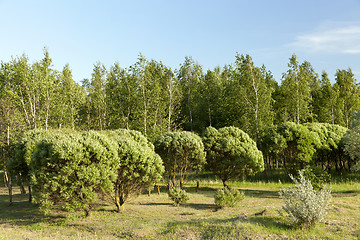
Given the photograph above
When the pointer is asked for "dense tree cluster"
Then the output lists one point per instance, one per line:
(70, 169)
(293, 121)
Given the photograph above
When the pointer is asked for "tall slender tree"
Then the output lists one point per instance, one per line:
(96, 97)
(189, 76)
(348, 94)
(296, 91)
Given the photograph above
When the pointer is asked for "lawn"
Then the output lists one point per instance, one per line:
(154, 217)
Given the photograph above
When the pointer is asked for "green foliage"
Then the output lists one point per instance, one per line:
(295, 89)
(349, 100)
(70, 169)
(178, 195)
(228, 197)
(138, 165)
(25, 147)
(352, 141)
(231, 153)
(305, 206)
(317, 177)
(297, 144)
(180, 151)
(247, 98)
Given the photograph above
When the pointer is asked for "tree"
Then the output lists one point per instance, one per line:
(210, 99)
(138, 165)
(330, 150)
(326, 106)
(296, 91)
(256, 94)
(352, 141)
(348, 94)
(180, 151)
(298, 145)
(71, 169)
(231, 153)
(308, 74)
(71, 97)
(11, 125)
(156, 97)
(121, 97)
(189, 76)
(97, 115)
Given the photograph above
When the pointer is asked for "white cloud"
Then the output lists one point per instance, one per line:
(339, 39)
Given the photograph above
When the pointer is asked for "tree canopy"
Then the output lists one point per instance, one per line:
(231, 153)
(180, 151)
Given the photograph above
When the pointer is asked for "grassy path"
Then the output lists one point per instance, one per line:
(155, 217)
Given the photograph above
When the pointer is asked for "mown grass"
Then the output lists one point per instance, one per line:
(154, 217)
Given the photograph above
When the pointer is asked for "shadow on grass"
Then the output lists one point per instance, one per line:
(231, 228)
(269, 222)
(157, 204)
(346, 193)
(21, 212)
(201, 206)
(210, 191)
(260, 193)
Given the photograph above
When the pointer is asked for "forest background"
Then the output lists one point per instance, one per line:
(152, 98)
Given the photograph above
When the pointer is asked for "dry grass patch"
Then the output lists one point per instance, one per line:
(154, 217)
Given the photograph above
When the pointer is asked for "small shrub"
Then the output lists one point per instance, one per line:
(317, 176)
(228, 197)
(178, 196)
(303, 204)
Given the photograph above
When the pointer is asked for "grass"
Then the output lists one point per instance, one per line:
(154, 217)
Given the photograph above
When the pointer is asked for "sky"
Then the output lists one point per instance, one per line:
(82, 33)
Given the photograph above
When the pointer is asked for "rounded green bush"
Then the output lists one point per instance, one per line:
(178, 195)
(228, 197)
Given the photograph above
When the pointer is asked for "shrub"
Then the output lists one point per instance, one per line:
(178, 195)
(69, 170)
(231, 153)
(138, 167)
(228, 197)
(305, 206)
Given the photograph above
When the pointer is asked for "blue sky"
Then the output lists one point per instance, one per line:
(324, 32)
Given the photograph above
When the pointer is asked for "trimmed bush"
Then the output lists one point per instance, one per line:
(305, 206)
(69, 170)
(138, 166)
(231, 153)
(228, 197)
(178, 195)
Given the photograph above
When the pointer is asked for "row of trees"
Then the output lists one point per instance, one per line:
(70, 169)
(152, 98)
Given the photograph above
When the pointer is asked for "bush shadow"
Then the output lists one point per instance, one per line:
(21, 212)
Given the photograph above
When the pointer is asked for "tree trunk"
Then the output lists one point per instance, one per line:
(181, 181)
(119, 201)
(21, 183)
(30, 194)
(190, 113)
(158, 189)
(9, 185)
(87, 211)
(197, 181)
(225, 182)
(6, 178)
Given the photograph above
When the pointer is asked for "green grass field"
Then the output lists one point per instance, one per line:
(154, 217)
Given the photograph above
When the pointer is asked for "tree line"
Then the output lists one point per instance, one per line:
(152, 98)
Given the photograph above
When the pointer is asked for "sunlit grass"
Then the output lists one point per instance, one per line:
(155, 217)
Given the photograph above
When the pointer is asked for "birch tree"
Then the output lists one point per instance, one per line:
(296, 91)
